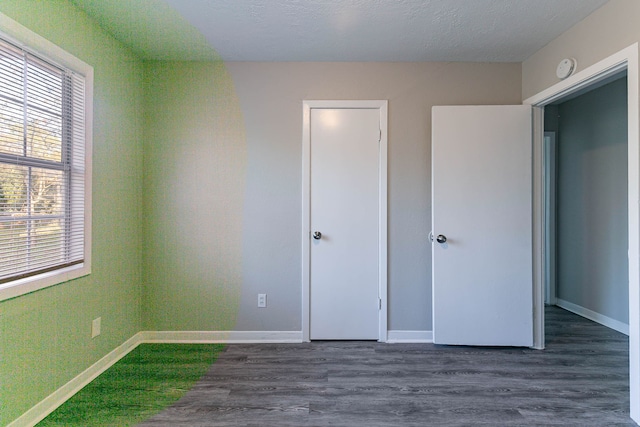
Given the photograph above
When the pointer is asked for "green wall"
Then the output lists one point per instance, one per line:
(195, 168)
(45, 337)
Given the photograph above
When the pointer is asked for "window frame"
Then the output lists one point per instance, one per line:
(41, 47)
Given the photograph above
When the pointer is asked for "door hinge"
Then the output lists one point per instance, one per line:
(379, 303)
(380, 135)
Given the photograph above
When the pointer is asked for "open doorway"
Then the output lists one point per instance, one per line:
(586, 203)
(626, 59)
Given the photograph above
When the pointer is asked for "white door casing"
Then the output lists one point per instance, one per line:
(344, 198)
(481, 201)
(549, 219)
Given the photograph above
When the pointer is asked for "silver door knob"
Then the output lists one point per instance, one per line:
(441, 238)
(317, 235)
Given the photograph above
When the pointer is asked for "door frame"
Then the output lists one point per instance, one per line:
(550, 206)
(307, 106)
(624, 59)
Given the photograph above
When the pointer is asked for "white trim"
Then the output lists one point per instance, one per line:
(585, 78)
(382, 230)
(406, 337)
(594, 316)
(626, 58)
(24, 286)
(37, 413)
(32, 42)
(40, 46)
(221, 337)
(538, 228)
(382, 105)
(306, 219)
(549, 217)
(633, 93)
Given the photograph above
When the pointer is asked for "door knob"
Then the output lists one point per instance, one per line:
(441, 238)
(317, 235)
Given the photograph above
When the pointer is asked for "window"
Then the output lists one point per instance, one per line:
(44, 173)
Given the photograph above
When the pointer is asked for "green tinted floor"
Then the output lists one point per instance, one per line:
(147, 380)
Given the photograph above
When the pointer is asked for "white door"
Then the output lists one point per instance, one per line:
(482, 207)
(344, 211)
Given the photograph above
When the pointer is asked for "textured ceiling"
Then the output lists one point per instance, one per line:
(151, 28)
(339, 30)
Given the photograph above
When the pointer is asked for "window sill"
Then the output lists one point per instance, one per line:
(35, 283)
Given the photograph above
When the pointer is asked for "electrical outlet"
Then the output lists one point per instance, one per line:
(95, 327)
(262, 300)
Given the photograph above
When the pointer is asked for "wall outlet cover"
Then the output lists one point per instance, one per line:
(262, 300)
(95, 327)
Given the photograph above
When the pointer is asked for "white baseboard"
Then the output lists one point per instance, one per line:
(221, 337)
(37, 413)
(592, 315)
(396, 337)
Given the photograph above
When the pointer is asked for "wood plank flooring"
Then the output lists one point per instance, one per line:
(581, 379)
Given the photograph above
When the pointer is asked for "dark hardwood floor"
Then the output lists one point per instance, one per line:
(581, 379)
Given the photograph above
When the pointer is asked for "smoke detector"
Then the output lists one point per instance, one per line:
(566, 67)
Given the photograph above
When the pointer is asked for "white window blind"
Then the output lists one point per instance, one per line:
(42, 162)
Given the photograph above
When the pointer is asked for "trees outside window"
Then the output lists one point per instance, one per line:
(42, 165)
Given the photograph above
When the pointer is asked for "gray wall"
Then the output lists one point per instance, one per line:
(271, 96)
(592, 201)
(223, 183)
(606, 31)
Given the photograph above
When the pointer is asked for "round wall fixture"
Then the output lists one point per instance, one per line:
(566, 67)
